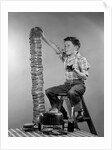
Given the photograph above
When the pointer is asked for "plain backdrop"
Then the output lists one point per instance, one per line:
(87, 27)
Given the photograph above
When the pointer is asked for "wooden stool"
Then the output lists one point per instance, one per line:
(86, 118)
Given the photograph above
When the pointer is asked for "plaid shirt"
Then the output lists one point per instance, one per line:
(79, 62)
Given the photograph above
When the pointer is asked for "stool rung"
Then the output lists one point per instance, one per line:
(84, 119)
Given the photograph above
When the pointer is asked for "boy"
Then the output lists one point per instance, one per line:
(76, 71)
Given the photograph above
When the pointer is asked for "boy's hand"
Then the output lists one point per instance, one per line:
(76, 70)
(70, 68)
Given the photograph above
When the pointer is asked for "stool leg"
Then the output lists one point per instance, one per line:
(75, 124)
(74, 118)
(89, 122)
(63, 126)
(60, 104)
(39, 127)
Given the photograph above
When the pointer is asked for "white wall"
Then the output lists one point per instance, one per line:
(88, 27)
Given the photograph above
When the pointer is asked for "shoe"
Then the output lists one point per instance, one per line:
(80, 116)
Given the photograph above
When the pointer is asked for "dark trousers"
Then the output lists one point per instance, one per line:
(74, 91)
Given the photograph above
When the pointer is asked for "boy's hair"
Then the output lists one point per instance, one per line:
(74, 41)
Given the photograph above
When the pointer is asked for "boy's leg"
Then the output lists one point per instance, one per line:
(74, 95)
(53, 98)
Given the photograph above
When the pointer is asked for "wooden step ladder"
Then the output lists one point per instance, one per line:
(87, 117)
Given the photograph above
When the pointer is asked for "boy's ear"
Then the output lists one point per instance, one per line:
(76, 47)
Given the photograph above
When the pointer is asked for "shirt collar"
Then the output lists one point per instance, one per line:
(78, 55)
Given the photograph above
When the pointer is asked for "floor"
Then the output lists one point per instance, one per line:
(19, 132)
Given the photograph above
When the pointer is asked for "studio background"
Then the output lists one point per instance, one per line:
(88, 27)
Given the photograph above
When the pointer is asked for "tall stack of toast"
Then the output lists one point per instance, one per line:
(36, 73)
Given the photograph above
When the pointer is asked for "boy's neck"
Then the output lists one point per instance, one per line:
(74, 54)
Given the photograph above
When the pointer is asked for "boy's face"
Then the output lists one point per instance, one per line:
(69, 47)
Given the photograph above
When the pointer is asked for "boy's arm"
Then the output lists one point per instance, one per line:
(51, 44)
(84, 67)
(81, 74)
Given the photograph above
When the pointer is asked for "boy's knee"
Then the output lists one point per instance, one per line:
(48, 91)
(72, 93)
